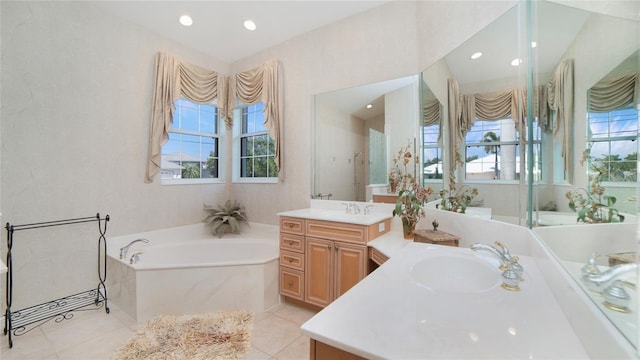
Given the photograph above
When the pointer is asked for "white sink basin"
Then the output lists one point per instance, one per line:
(455, 273)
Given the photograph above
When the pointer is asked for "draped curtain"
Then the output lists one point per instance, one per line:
(613, 94)
(560, 100)
(490, 106)
(174, 78)
(261, 84)
(431, 115)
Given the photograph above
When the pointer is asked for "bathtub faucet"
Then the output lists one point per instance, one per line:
(125, 249)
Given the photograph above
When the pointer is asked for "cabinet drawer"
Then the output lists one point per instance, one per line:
(337, 231)
(292, 283)
(292, 260)
(292, 242)
(292, 225)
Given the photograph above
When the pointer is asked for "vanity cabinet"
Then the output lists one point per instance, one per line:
(320, 260)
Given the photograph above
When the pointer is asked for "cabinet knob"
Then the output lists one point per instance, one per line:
(290, 283)
(291, 242)
(290, 225)
(291, 259)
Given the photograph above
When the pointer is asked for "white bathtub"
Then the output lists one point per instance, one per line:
(186, 270)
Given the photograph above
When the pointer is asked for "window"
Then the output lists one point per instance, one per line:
(492, 151)
(192, 153)
(256, 146)
(612, 140)
(431, 153)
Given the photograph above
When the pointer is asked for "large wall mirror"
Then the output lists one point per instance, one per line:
(599, 69)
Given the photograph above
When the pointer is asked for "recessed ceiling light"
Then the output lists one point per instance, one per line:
(516, 62)
(186, 20)
(476, 55)
(534, 44)
(369, 106)
(249, 25)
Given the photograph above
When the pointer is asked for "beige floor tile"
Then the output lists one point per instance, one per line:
(273, 333)
(99, 347)
(296, 314)
(32, 345)
(255, 354)
(298, 350)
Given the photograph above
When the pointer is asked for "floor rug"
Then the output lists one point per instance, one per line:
(223, 335)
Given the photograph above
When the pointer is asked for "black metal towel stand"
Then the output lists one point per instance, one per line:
(60, 309)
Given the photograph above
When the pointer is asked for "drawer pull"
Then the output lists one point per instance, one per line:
(290, 242)
(290, 225)
(290, 283)
(291, 259)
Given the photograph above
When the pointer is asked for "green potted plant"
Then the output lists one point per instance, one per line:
(456, 199)
(226, 218)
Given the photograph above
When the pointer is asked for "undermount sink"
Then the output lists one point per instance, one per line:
(449, 273)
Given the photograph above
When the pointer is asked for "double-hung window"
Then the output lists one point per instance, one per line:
(431, 152)
(612, 142)
(256, 148)
(492, 151)
(192, 154)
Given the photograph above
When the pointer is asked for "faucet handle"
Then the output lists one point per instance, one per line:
(135, 258)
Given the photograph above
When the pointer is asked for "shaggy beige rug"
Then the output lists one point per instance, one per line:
(223, 335)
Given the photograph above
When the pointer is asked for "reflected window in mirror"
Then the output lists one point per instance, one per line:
(431, 153)
(612, 139)
(256, 148)
(492, 150)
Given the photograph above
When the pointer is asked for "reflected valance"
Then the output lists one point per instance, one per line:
(613, 94)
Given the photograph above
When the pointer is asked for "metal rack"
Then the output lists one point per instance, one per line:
(17, 321)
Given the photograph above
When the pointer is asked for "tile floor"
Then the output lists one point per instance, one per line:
(94, 335)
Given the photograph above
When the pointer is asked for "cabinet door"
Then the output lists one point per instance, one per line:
(318, 271)
(350, 268)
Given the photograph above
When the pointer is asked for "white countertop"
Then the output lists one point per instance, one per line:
(338, 215)
(389, 315)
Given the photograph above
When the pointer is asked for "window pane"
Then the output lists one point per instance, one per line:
(261, 145)
(431, 134)
(246, 146)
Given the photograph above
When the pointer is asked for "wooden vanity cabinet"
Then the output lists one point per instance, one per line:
(333, 267)
(321, 260)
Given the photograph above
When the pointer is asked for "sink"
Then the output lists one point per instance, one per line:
(449, 273)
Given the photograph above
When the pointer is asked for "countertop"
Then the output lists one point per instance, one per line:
(390, 315)
(338, 215)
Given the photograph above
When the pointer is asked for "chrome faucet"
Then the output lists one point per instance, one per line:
(135, 258)
(367, 209)
(511, 270)
(611, 287)
(125, 249)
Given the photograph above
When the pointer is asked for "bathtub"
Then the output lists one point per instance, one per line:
(186, 270)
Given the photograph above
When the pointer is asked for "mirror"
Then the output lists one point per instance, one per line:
(602, 47)
(357, 131)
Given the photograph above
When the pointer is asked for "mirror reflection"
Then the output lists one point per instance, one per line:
(357, 131)
(589, 154)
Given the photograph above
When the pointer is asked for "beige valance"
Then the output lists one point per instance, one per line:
(490, 106)
(613, 94)
(174, 78)
(261, 84)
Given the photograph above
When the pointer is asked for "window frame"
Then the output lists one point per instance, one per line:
(610, 139)
(238, 135)
(217, 136)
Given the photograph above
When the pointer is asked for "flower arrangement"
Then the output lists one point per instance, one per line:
(456, 199)
(399, 178)
(594, 206)
(411, 196)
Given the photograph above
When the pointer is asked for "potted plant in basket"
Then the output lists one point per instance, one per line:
(226, 218)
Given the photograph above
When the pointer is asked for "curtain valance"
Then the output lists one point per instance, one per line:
(174, 78)
(613, 94)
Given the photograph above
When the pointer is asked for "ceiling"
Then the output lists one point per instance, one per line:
(218, 28)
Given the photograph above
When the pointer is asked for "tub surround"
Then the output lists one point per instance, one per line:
(145, 290)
